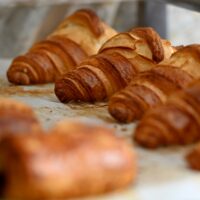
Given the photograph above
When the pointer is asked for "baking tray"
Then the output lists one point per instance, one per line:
(162, 174)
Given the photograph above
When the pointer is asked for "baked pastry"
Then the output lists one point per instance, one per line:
(119, 60)
(74, 160)
(16, 117)
(151, 88)
(144, 41)
(177, 122)
(193, 158)
(78, 36)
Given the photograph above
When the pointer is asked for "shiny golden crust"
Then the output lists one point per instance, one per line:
(66, 47)
(85, 28)
(88, 18)
(118, 61)
(186, 58)
(193, 158)
(95, 79)
(153, 87)
(145, 91)
(143, 41)
(16, 117)
(175, 123)
(64, 164)
(153, 40)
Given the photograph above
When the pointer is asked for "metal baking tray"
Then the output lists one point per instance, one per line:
(162, 174)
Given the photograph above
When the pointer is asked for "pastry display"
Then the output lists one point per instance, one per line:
(106, 79)
(177, 122)
(16, 118)
(77, 37)
(151, 88)
(73, 160)
(118, 61)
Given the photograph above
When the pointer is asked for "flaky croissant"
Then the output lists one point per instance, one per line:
(16, 117)
(177, 122)
(74, 160)
(118, 61)
(78, 36)
(151, 88)
(143, 41)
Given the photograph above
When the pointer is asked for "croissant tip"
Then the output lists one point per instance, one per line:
(147, 137)
(59, 91)
(193, 159)
(18, 77)
(120, 112)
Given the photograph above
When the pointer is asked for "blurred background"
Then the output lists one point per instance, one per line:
(23, 22)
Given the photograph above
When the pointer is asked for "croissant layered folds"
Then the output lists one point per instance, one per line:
(16, 117)
(73, 160)
(143, 41)
(118, 61)
(177, 122)
(151, 88)
(78, 36)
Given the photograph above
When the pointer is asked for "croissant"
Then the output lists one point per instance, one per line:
(177, 122)
(74, 160)
(78, 36)
(16, 117)
(151, 88)
(143, 41)
(118, 61)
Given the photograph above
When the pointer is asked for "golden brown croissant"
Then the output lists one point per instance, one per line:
(74, 160)
(143, 41)
(118, 61)
(16, 117)
(151, 88)
(78, 36)
(175, 122)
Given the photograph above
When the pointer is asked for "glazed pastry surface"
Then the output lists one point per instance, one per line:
(78, 36)
(177, 122)
(118, 61)
(151, 88)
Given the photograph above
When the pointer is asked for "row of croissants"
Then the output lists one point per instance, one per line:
(142, 76)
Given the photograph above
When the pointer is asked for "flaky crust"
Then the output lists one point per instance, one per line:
(186, 58)
(151, 88)
(145, 91)
(118, 61)
(16, 117)
(78, 36)
(143, 41)
(177, 122)
(153, 40)
(96, 79)
(68, 162)
(86, 29)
